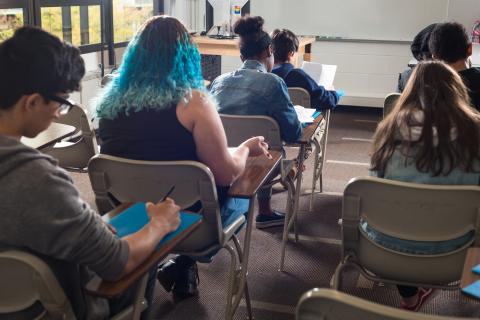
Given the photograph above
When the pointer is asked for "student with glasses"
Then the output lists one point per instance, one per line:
(41, 210)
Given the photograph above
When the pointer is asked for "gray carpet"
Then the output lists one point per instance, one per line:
(310, 262)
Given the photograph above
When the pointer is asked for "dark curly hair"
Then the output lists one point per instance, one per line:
(253, 39)
(34, 61)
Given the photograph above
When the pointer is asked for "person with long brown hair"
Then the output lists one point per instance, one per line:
(432, 136)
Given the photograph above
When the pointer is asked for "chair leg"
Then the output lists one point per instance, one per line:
(288, 216)
(140, 303)
(336, 281)
(315, 173)
(245, 290)
(232, 283)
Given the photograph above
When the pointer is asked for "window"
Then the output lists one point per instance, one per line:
(77, 22)
(13, 14)
(128, 16)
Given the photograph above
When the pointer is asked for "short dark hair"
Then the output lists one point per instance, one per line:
(449, 42)
(283, 42)
(34, 61)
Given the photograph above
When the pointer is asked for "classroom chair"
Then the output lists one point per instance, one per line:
(30, 290)
(300, 96)
(416, 212)
(140, 181)
(240, 128)
(328, 304)
(75, 153)
(389, 102)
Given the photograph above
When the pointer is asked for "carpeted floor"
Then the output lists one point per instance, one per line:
(310, 262)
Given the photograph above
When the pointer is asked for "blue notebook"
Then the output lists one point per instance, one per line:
(473, 289)
(476, 269)
(135, 217)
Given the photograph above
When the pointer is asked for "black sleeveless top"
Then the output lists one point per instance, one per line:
(152, 135)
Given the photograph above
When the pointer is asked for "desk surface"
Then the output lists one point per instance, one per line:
(303, 41)
(229, 47)
(256, 172)
(106, 289)
(309, 130)
(471, 260)
(53, 134)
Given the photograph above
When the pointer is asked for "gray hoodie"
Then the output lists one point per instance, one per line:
(41, 212)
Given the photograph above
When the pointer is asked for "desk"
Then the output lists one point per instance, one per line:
(52, 135)
(291, 215)
(257, 170)
(471, 260)
(229, 47)
(106, 289)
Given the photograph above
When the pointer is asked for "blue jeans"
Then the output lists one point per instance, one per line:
(415, 247)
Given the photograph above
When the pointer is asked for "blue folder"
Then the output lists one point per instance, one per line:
(473, 289)
(136, 216)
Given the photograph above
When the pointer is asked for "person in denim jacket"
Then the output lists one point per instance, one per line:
(432, 136)
(253, 90)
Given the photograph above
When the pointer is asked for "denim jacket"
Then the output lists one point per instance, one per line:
(321, 98)
(251, 90)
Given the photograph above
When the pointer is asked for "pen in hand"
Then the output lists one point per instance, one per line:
(168, 194)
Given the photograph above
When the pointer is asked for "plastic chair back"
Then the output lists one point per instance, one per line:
(300, 97)
(327, 304)
(141, 181)
(239, 128)
(389, 103)
(25, 280)
(75, 155)
(409, 211)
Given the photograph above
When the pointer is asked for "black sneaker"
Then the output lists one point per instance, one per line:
(277, 219)
(187, 282)
(167, 274)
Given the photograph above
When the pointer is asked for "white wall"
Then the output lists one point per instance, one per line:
(366, 71)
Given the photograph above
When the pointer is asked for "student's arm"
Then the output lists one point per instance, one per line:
(201, 118)
(55, 222)
(321, 98)
(164, 219)
(281, 109)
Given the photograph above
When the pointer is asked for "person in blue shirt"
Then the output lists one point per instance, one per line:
(253, 90)
(285, 45)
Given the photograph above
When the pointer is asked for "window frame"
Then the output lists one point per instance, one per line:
(86, 48)
(26, 5)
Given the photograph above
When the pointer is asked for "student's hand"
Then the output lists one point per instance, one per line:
(257, 146)
(164, 215)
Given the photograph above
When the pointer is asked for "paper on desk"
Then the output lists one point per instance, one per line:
(324, 74)
(305, 115)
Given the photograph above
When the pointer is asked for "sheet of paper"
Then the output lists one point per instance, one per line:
(305, 115)
(324, 74)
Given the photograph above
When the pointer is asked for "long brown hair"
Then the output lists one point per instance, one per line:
(438, 91)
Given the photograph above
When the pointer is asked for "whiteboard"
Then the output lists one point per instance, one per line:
(356, 19)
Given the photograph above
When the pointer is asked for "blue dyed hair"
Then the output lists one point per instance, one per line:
(161, 65)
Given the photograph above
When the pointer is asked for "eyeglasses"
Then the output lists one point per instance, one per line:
(65, 105)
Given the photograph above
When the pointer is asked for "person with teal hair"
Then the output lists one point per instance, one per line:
(157, 109)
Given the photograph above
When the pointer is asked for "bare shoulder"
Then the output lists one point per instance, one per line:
(196, 107)
(202, 99)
